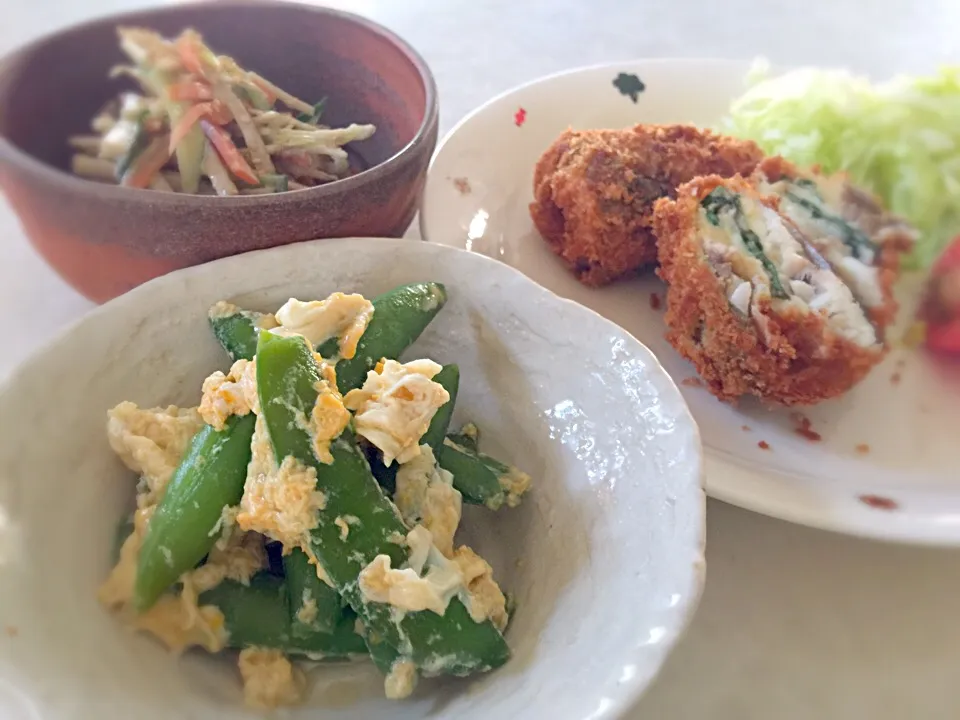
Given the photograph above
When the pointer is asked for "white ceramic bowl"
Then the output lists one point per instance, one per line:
(605, 556)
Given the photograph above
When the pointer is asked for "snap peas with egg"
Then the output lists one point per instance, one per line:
(210, 477)
(452, 643)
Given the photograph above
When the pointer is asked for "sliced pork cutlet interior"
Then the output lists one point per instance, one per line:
(850, 229)
(753, 303)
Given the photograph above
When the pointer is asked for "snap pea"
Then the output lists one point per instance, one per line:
(210, 476)
(399, 317)
(306, 589)
(237, 332)
(467, 437)
(452, 643)
(481, 479)
(449, 379)
(258, 616)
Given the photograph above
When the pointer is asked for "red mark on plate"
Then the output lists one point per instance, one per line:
(11, 631)
(520, 117)
(692, 382)
(878, 503)
(654, 301)
(763, 445)
(462, 185)
(862, 449)
(895, 378)
(804, 427)
(745, 428)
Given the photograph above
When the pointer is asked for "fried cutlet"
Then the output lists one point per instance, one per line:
(594, 191)
(752, 303)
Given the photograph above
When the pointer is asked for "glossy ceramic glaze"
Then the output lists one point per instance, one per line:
(105, 240)
(604, 556)
(881, 461)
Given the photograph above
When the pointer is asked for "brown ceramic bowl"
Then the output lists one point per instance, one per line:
(104, 240)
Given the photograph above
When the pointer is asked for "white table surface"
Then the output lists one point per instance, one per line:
(795, 623)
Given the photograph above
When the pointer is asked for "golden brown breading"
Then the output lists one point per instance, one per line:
(594, 191)
(798, 360)
(890, 233)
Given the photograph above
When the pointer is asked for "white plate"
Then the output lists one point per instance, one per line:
(904, 486)
(604, 556)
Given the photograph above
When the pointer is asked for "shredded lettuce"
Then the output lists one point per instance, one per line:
(899, 139)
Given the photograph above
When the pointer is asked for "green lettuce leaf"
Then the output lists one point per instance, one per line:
(899, 139)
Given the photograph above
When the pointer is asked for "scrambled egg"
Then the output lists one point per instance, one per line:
(401, 680)
(117, 589)
(329, 418)
(152, 442)
(222, 309)
(515, 483)
(232, 394)
(178, 622)
(425, 496)
(466, 575)
(281, 503)
(344, 522)
(308, 608)
(483, 598)
(404, 588)
(269, 679)
(342, 316)
(394, 407)
(235, 556)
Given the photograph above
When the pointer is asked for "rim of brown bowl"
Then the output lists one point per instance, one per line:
(29, 163)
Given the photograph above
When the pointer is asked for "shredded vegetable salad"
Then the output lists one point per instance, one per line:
(203, 125)
(900, 139)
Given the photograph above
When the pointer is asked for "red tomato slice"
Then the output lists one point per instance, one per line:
(949, 259)
(944, 338)
(943, 302)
